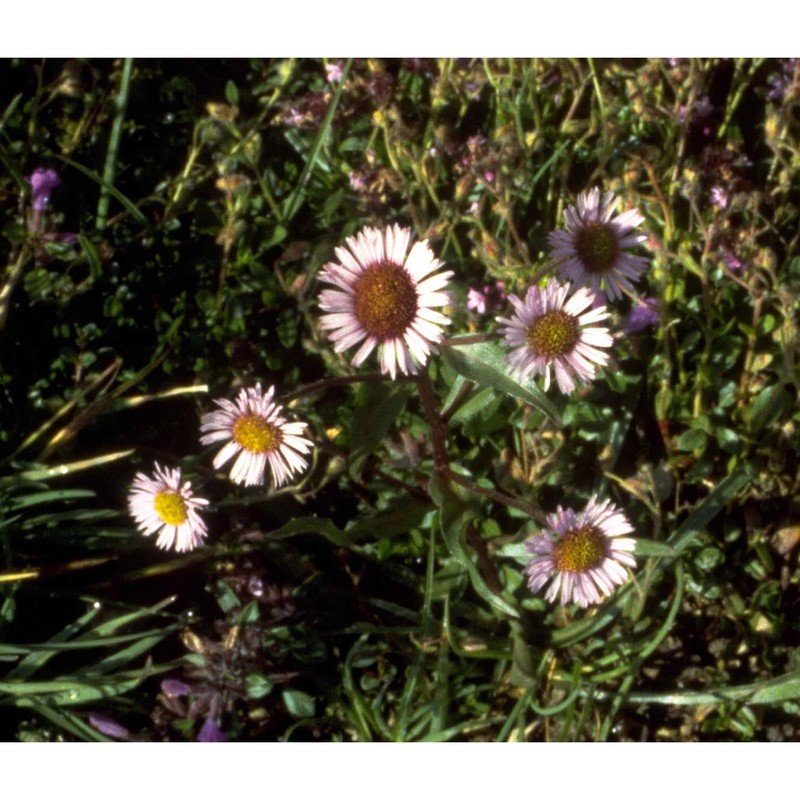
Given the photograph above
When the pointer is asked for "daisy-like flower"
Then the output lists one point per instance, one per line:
(165, 505)
(583, 554)
(591, 251)
(385, 297)
(549, 329)
(256, 432)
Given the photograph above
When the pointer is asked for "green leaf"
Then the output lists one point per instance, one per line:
(71, 723)
(232, 93)
(323, 526)
(647, 548)
(475, 404)
(226, 597)
(396, 521)
(25, 501)
(693, 439)
(113, 191)
(728, 440)
(767, 407)
(89, 250)
(454, 516)
(257, 686)
(484, 364)
(142, 645)
(298, 704)
(372, 422)
(38, 658)
(703, 513)
(769, 692)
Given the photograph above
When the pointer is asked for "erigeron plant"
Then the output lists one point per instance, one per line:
(388, 297)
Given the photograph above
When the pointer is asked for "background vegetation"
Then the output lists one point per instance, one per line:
(176, 262)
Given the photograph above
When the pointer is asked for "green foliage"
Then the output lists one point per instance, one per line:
(381, 595)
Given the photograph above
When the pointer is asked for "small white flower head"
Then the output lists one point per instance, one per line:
(385, 297)
(591, 251)
(256, 432)
(548, 329)
(333, 72)
(165, 505)
(585, 554)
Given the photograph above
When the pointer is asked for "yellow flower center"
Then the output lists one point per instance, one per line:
(580, 549)
(553, 334)
(257, 435)
(171, 507)
(597, 247)
(385, 300)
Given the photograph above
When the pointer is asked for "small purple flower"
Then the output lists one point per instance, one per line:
(211, 732)
(476, 142)
(172, 687)
(357, 181)
(476, 301)
(643, 315)
(719, 197)
(294, 119)
(732, 262)
(333, 72)
(61, 238)
(42, 182)
(782, 81)
(108, 726)
(489, 298)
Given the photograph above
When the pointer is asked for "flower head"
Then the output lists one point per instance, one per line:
(211, 732)
(256, 432)
(166, 505)
(583, 553)
(644, 314)
(385, 297)
(591, 251)
(732, 261)
(42, 182)
(333, 72)
(549, 329)
(719, 197)
(487, 298)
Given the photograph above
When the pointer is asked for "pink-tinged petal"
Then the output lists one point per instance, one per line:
(593, 216)
(556, 555)
(402, 346)
(252, 455)
(176, 522)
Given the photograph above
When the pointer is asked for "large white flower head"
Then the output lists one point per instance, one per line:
(165, 505)
(585, 554)
(591, 251)
(385, 297)
(255, 430)
(548, 329)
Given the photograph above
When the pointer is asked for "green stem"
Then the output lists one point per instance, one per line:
(293, 205)
(497, 496)
(440, 459)
(113, 144)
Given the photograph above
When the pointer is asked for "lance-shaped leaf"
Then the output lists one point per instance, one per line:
(484, 363)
